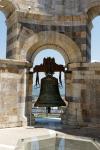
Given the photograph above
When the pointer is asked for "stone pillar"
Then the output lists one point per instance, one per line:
(83, 94)
(73, 90)
(12, 93)
(28, 106)
(22, 95)
(13, 34)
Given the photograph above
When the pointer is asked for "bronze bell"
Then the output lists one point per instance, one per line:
(49, 93)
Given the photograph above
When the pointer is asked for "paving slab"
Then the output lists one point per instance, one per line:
(9, 137)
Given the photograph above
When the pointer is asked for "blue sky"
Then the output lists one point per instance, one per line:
(95, 40)
(3, 32)
(95, 43)
(50, 53)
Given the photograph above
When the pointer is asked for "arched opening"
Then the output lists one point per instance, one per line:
(48, 40)
(94, 23)
(95, 40)
(3, 35)
(6, 10)
(40, 113)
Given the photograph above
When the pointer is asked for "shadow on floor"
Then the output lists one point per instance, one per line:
(56, 124)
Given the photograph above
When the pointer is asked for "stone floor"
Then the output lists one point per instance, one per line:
(9, 137)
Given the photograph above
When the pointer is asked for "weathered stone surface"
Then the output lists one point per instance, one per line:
(12, 95)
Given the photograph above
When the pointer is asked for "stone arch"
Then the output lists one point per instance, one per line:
(48, 46)
(49, 39)
(7, 7)
(93, 10)
(92, 4)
